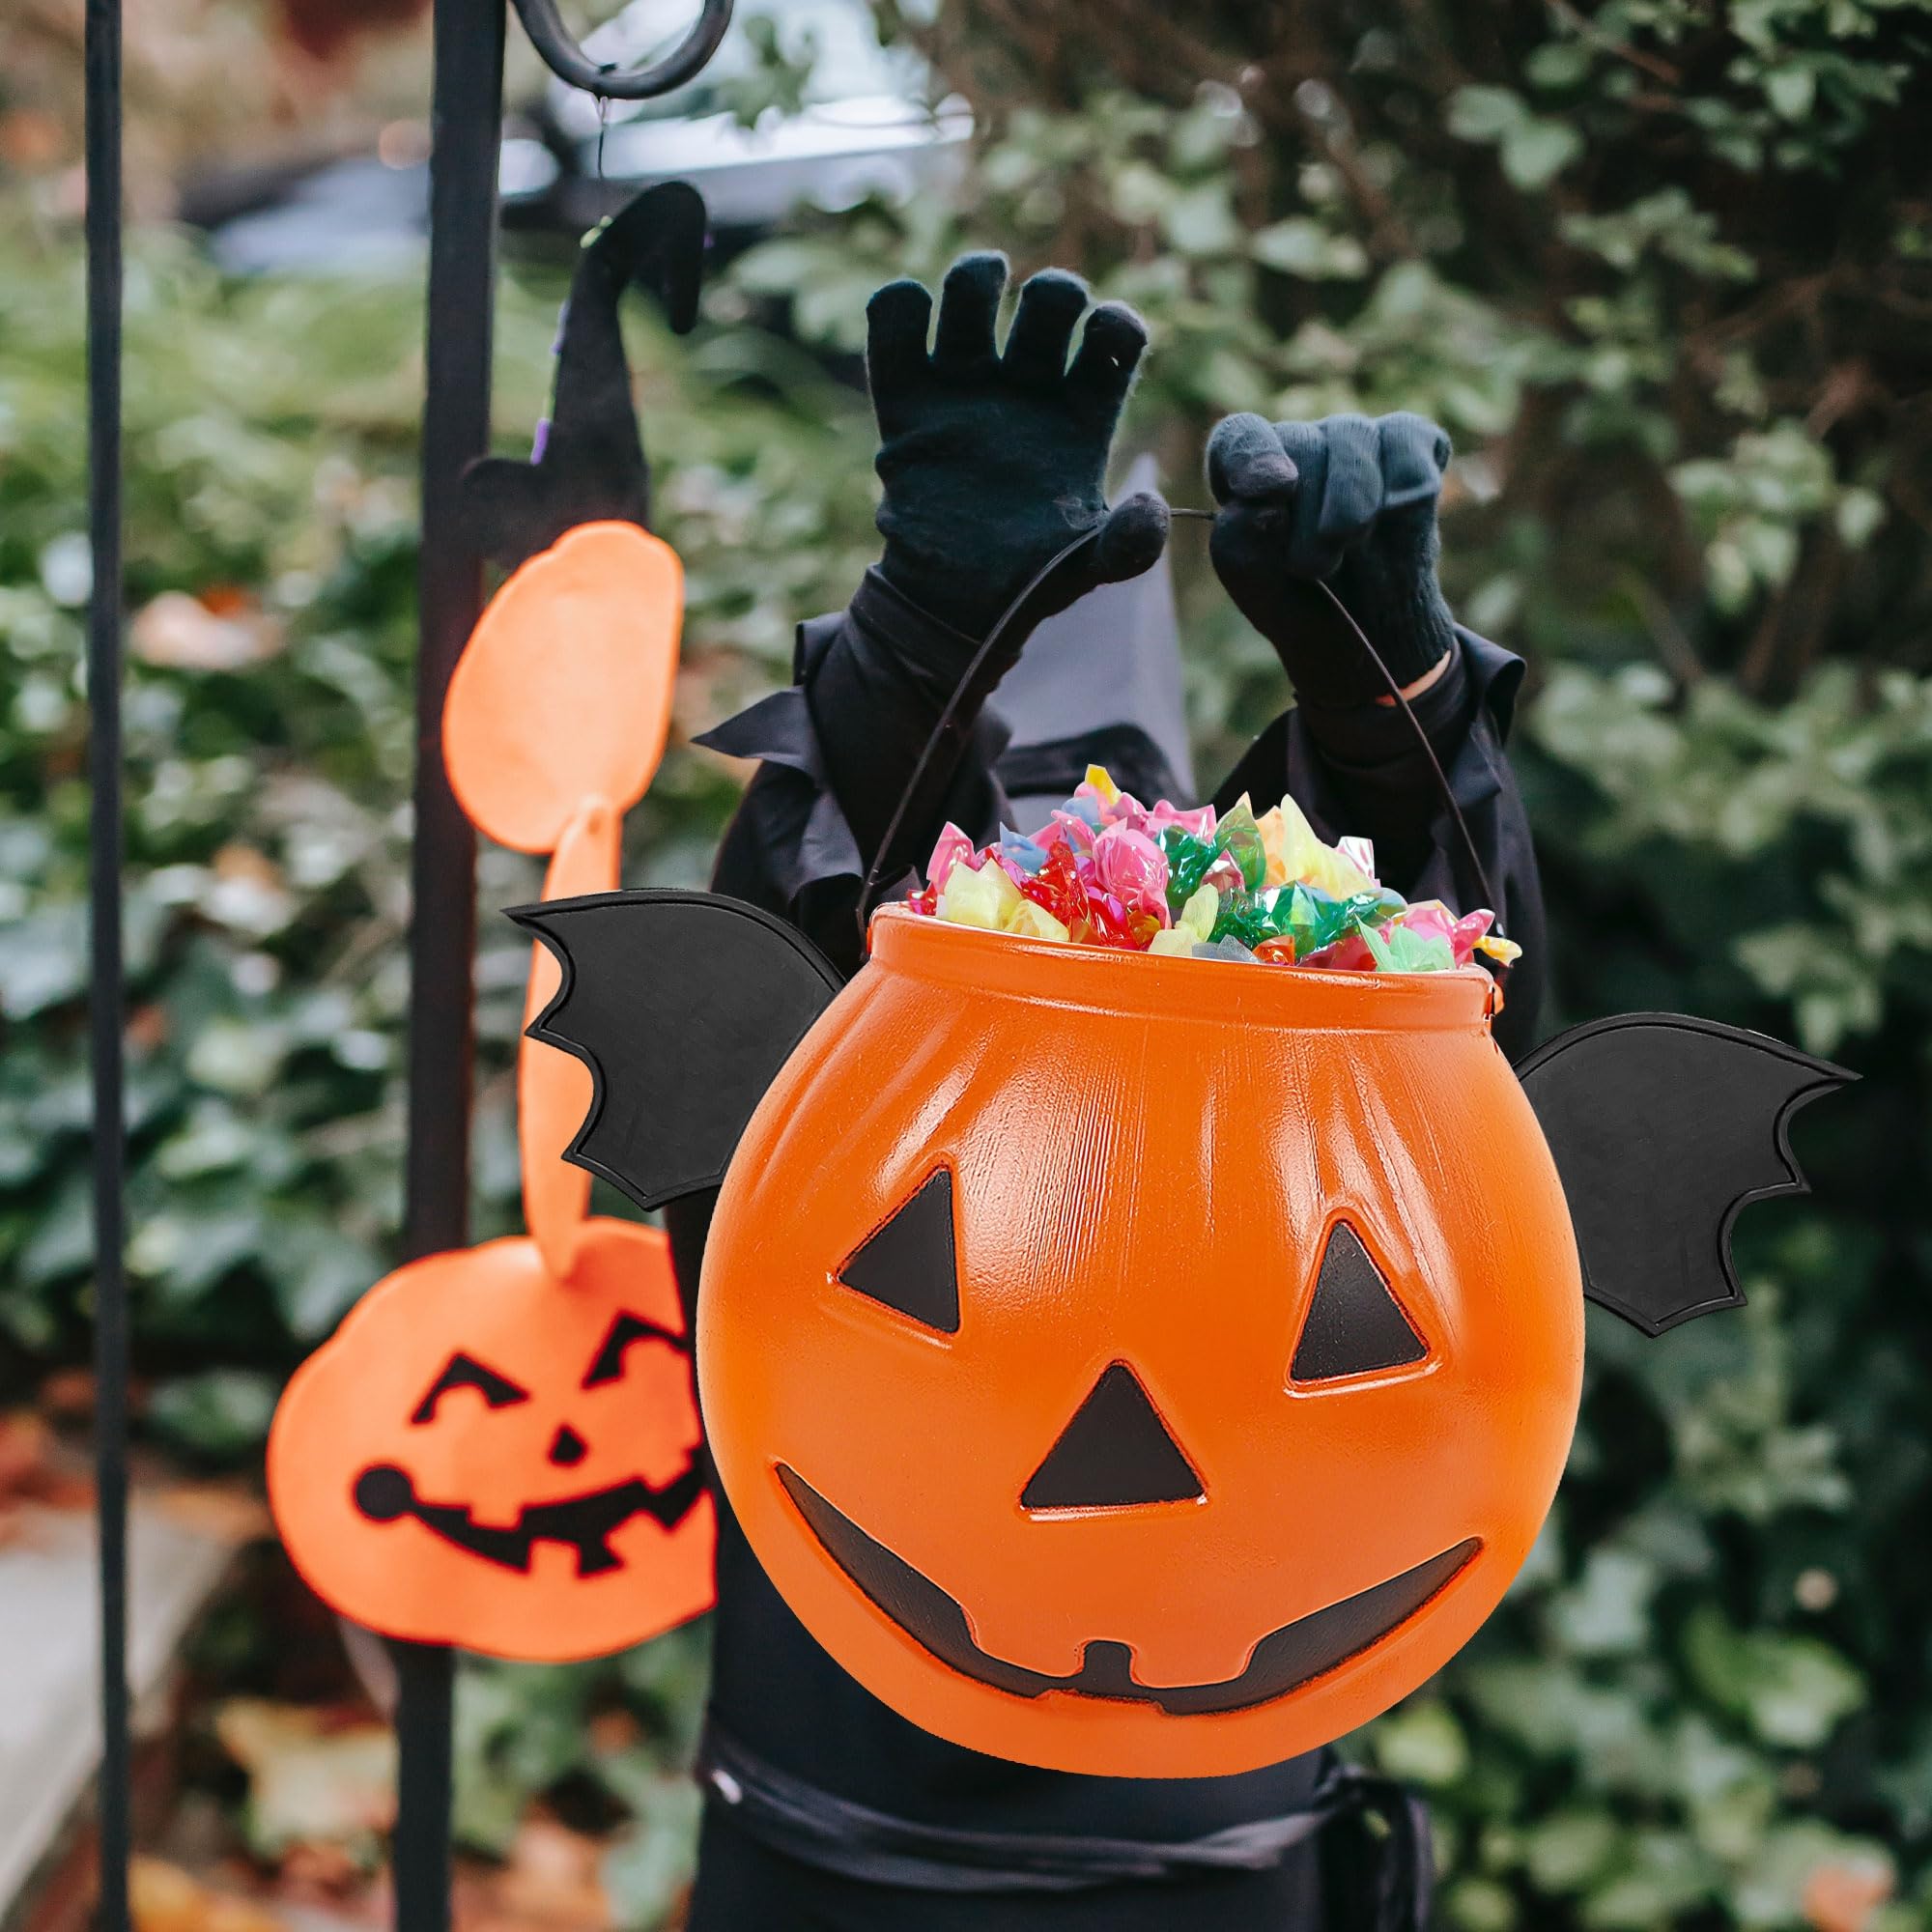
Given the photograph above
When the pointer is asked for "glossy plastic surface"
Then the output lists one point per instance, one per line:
(1149, 1158)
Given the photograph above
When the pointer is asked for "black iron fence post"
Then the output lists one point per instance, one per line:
(465, 131)
(106, 999)
(466, 126)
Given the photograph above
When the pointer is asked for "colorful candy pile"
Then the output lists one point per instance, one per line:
(1108, 871)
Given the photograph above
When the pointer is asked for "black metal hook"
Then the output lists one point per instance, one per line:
(568, 61)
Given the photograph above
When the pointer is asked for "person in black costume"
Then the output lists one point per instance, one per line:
(826, 1811)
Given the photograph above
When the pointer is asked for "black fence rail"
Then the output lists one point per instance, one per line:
(466, 120)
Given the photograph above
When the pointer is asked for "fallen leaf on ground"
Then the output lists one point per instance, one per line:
(225, 1512)
(32, 1472)
(24, 1442)
(165, 1898)
(315, 1778)
(67, 1395)
(612, 1731)
(552, 1878)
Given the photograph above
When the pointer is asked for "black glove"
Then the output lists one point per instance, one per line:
(1348, 502)
(991, 462)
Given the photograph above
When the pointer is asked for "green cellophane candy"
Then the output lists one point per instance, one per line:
(1312, 919)
(1241, 838)
(1246, 917)
(1397, 949)
(1188, 861)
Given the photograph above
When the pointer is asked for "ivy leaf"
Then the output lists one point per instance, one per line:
(1792, 1690)
(222, 1413)
(1485, 113)
(1534, 152)
(1421, 1743)
(1302, 246)
(651, 1862)
(1791, 89)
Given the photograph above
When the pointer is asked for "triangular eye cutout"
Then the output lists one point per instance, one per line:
(465, 1372)
(625, 1329)
(1114, 1453)
(1355, 1326)
(910, 1263)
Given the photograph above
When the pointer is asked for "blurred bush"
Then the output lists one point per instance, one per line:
(1665, 271)
(271, 585)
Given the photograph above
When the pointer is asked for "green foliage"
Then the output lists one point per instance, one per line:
(271, 551)
(526, 1731)
(1663, 270)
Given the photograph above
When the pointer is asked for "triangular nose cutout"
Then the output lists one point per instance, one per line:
(1115, 1452)
(909, 1263)
(1355, 1325)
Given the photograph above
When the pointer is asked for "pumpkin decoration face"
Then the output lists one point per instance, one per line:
(1178, 1362)
(489, 1456)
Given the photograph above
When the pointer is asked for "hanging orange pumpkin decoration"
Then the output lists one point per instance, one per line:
(484, 1455)
(1137, 1364)
(500, 1447)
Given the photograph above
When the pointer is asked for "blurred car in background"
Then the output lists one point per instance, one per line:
(860, 124)
(863, 128)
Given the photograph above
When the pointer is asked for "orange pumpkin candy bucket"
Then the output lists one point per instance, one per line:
(1150, 1285)
(1123, 1364)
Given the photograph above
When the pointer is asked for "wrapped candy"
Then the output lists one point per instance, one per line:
(1240, 839)
(1020, 852)
(952, 847)
(1188, 857)
(1134, 868)
(1295, 852)
(1108, 871)
(1056, 887)
(978, 895)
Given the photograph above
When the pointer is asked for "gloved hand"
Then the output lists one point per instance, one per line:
(1348, 502)
(993, 463)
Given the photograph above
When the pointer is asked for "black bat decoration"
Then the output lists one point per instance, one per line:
(1665, 1129)
(591, 465)
(685, 1004)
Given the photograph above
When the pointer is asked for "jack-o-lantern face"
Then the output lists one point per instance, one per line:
(1177, 1363)
(1145, 1364)
(486, 1456)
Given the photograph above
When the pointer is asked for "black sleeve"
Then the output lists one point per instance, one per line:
(1359, 771)
(838, 749)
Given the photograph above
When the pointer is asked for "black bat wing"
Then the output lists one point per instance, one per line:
(684, 1006)
(1664, 1128)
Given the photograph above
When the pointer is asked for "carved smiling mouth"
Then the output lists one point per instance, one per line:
(1282, 1661)
(584, 1524)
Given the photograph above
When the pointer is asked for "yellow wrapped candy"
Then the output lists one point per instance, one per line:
(1035, 921)
(986, 897)
(1198, 915)
(1297, 856)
